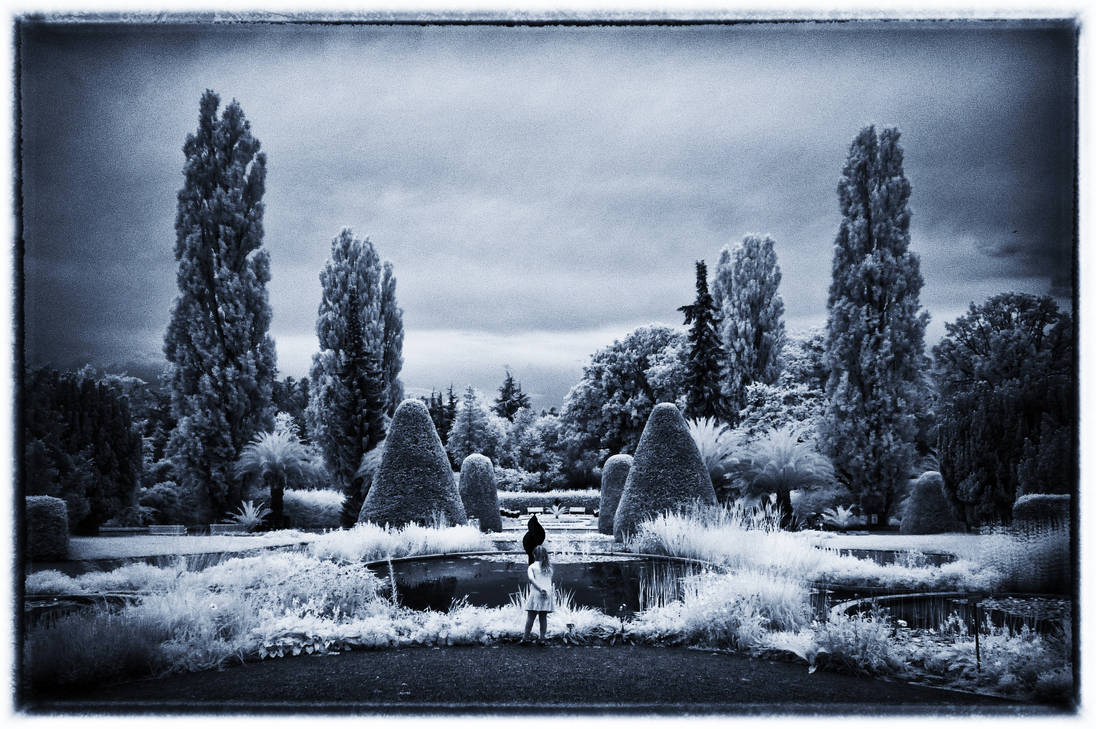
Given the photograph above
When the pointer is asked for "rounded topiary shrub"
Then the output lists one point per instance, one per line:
(414, 482)
(927, 508)
(479, 493)
(667, 472)
(613, 476)
(1048, 509)
(47, 528)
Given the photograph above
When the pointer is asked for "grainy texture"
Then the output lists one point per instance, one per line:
(414, 481)
(1041, 509)
(667, 472)
(478, 492)
(497, 678)
(47, 528)
(927, 509)
(613, 475)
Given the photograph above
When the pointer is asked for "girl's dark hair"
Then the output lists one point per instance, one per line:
(540, 554)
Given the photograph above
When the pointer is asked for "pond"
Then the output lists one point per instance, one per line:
(614, 584)
(1044, 614)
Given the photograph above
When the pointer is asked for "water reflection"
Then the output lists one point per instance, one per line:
(620, 586)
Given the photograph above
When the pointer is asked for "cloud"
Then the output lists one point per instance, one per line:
(534, 184)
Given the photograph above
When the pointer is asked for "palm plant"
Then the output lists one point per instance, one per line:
(715, 443)
(840, 517)
(277, 458)
(249, 515)
(779, 462)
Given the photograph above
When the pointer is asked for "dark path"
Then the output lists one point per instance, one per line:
(624, 679)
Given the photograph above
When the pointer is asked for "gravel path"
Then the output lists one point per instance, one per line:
(523, 679)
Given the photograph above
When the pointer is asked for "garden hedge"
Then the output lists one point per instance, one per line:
(927, 508)
(478, 492)
(613, 476)
(414, 482)
(313, 509)
(520, 500)
(47, 528)
(1049, 509)
(667, 472)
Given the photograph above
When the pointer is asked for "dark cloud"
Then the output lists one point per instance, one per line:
(553, 180)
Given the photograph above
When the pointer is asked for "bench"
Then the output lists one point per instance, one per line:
(577, 510)
(534, 509)
(167, 530)
(215, 529)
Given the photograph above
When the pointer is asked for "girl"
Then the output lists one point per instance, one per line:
(541, 600)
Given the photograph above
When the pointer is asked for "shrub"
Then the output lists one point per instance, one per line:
(515, 479)
(666, 472)
(808, 505)
(586, 498)
(1048, 509)
(414, 480)
(47, 528)
(613, 476)
(314, 509)
(170, 504)
(367, 542)
(478, 492)
(249, 515)
(927, 509)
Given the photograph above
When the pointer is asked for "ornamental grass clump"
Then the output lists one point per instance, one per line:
(613, 476)
(667, 472)
(414, 479)
(735, 610)
(369, 542)
(479, 493)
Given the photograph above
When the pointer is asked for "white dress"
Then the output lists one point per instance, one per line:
(536, 601)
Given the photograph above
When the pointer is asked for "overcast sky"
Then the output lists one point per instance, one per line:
(540, 191)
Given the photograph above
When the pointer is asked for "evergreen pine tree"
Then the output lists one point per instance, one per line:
(222, 359)
(474, 430)
(349, 399)
(875, 329)
(450, 412)
(751, 312)
(707, 361)
(511, 398)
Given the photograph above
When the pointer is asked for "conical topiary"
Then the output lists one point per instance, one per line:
(927, 508)
(479, 493)
(667, 472)
(414, 482)
(613, 475)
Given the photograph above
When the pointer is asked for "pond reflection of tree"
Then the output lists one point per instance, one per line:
(612, 587)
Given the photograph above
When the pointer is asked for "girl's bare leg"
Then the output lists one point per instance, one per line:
(543, 623)
(529, 615)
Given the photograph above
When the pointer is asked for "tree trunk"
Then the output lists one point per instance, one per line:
(277, 491)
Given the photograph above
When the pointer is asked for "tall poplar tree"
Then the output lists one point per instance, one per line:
(706, 363)
(392, 356)
(875, 332)
(222, 360)
(348, 407)
(751, 311)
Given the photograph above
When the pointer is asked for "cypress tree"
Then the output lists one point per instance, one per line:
(875, 330)
(706, 364)
(222, 359)
(751, 310)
